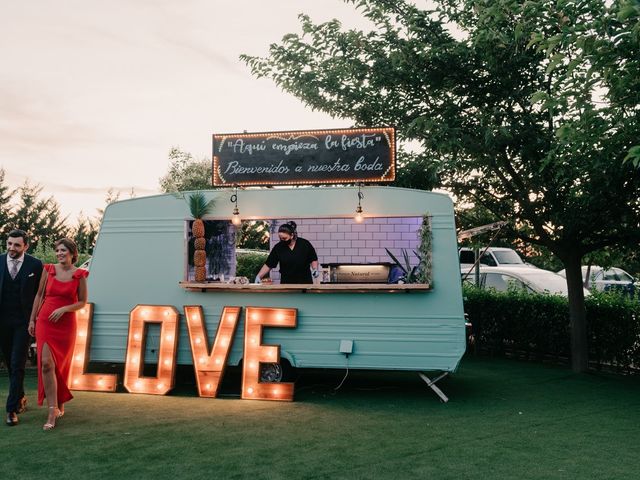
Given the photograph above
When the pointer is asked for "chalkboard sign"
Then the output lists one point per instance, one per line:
(305, 157)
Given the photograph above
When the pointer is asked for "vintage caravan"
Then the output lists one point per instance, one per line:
(142, 259)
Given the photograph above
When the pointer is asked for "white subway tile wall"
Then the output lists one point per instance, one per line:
(342, 240)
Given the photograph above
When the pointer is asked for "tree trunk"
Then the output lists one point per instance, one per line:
(577, 315)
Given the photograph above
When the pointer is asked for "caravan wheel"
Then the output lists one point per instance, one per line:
(271, 373)
(276, 372)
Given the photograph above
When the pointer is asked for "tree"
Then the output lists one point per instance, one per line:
(531, 112)
(185, 173)
(39, 217)
(5, 210)
(253, 235)
(85, 233)
(111, 197)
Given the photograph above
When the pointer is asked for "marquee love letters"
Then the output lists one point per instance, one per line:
(209, 365)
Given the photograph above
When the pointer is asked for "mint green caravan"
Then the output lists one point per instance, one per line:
(358, 316)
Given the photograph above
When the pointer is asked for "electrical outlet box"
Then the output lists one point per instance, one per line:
(346, 346)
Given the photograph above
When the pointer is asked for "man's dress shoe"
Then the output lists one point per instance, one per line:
(12, 419)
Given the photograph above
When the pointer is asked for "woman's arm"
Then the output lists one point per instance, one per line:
(263, 271)
(37, 301)
(82, 301)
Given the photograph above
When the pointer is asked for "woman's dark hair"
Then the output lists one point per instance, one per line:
(69, 245)
(289, 227)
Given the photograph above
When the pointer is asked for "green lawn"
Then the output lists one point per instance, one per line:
(505, 419)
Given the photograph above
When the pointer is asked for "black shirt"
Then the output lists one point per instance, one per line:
(294, 264)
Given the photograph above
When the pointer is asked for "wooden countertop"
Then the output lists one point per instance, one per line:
(307, 288)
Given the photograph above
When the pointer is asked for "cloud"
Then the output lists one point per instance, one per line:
(14, 180)
(30, 123)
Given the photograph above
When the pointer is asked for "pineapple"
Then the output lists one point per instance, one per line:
(198, 228)
(199, 258)
(201, 273)
(199, 207)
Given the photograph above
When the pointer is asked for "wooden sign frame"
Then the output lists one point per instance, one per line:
(305, 157)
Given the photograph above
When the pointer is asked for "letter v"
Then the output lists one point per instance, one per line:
(209, 369)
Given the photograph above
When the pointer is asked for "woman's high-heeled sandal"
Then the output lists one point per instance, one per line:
(50, 426)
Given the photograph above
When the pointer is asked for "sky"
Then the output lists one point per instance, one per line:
(94, 94)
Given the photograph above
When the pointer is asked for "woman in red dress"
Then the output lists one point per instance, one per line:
(62, 291)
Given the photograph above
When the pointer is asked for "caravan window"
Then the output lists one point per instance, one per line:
(241, 251)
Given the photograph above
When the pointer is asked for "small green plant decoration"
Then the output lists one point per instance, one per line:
(422, 272)
(410, 272)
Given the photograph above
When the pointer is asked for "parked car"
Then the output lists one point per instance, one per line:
(532, 280)
(607, 279)
(493, 257)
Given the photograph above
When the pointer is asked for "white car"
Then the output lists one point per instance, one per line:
(493, 257)
(609, 279)
(533, 280)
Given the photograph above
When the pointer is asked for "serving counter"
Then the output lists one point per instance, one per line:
(306, 288)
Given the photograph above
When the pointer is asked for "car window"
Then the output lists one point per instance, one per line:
(508, 257)
(488, 260)
(623, 276)
(611, 275)
(467, 256)
(514, 283)
(497, 281)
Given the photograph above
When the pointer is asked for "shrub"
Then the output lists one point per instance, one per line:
(538, 325)
(614, 328)
(46, 254)
(249, 264)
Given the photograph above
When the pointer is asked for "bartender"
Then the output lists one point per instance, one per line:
(297, 258)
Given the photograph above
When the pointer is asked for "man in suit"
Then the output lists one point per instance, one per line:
(19, 279)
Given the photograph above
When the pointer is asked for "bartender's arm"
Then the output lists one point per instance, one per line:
(263, 271)
(315, 271)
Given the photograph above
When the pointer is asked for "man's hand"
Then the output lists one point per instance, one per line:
(257, 280)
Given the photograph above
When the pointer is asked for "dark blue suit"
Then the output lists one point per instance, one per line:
(16, 301)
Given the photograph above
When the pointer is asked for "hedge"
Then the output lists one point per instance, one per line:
(249, 264)
(537, 326)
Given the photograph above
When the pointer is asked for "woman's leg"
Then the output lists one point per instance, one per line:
(50, 383)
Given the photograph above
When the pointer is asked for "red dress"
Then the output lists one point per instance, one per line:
(61, 335)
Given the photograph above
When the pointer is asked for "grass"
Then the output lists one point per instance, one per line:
(505, 419)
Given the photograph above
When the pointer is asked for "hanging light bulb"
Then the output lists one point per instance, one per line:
(235, 219)
(359, 217)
